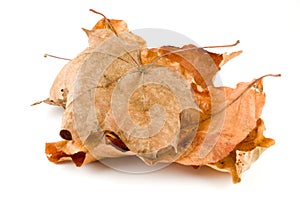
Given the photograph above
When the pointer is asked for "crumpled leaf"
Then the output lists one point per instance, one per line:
(159, 104)
(245, 153)
(246, 101)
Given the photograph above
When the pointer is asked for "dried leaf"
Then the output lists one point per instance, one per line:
(97, 36)
(159, 104)
(245, 153)
(242, 108)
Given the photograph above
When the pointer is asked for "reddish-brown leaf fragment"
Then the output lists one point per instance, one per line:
(118, 25)
(66, 150)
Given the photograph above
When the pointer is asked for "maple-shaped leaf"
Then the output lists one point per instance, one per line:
(160, 104)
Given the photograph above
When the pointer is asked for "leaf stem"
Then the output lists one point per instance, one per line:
(52, 56)
(110, 26)
(99, 13)
(221, 46)
(241, 94)
(190, 49)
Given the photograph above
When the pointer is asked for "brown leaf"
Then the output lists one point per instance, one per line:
(159, 104)
(200, 64)
(245, 153)
(231, 124)
(63, 86)
(62, 94)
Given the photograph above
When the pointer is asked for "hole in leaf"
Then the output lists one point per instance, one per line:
(115, 140)
(78, 158)
(65, 134)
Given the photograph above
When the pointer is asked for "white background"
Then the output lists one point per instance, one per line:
(269, 33)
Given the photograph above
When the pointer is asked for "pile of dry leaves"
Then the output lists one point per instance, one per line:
(121, 98)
